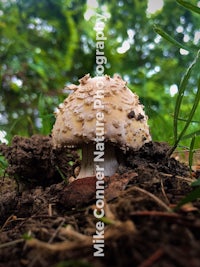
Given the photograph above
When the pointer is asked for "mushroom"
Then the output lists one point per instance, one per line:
(100, 115)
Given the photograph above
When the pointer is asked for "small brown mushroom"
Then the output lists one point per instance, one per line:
(100, 115)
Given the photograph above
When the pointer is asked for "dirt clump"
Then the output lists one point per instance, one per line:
(52, 222)
(33, 161)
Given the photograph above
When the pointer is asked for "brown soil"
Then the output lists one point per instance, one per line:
(47, 221)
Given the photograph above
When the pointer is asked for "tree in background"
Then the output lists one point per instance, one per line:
(154, 67)
(38, 40)
(45, 44)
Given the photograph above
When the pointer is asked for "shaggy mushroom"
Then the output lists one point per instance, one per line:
(106, 102)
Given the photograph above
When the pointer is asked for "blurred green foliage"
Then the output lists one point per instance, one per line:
(45, 44)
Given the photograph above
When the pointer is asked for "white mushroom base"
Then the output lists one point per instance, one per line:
(109, 163)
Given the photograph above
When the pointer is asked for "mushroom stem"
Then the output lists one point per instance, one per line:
(89, 165)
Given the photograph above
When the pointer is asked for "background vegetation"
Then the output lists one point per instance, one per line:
(45, 44)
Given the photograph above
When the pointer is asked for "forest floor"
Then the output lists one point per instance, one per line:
(47, 221)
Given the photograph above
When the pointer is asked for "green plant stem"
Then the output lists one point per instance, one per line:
(167, 37)
(189, 6)
(191, 153)
(183, 85)
(188, 121)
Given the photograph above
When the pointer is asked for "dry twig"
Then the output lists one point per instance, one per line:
(152, 196)
(153, 258)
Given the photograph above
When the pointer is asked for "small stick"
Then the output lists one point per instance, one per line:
(156, 199)
(163, 191)
(73, 234)
(153, 258)
(178, 177)
(56, 232)
(14, 242)
(50, 212)
(9, 220)
(34, 261)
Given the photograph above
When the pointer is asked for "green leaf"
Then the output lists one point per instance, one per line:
(189, 6)
(191, 152)
(61, 174)
(193, 121)
(192, 196)
(107, 221)
(44, 116)
(167, 37)
(39, 69)
(196, 183)
(3, 165)
(182, 89)
(27, 236)
(188, 136)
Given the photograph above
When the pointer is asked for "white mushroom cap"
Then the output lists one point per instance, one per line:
(125, 122)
